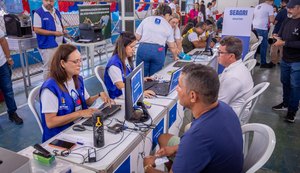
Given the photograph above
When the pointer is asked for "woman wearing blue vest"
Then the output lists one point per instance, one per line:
(153, 33)
(63, 97)
(120, 65)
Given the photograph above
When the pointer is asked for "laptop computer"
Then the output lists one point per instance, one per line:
(181, 63)
(165, 88)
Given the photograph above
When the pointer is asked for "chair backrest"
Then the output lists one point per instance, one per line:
(254, 46)
(249, 55)
(99, 71)
(250, 64)
(34, 105)
(252, 98)
(261, 147)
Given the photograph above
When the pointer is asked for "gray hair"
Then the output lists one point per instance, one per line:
(233, 45)
(203, 80)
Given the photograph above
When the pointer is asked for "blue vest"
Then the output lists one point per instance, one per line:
(113, 91)
(48, 23)
(65, 105)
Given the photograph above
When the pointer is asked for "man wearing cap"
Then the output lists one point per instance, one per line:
(289, 38)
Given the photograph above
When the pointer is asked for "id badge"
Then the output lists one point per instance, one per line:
(157, 21)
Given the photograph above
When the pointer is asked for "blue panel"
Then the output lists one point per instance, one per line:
(159, 129)
(172, 115)
(125, 167)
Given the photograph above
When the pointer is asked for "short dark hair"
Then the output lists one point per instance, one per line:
(199, 25)
(285, 1)
(233, 45)
(209, 22)
(209, 4)
(203, 80)
(163, 9)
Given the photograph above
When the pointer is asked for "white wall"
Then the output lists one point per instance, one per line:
(222, 4)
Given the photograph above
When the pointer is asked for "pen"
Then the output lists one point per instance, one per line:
(80, 143)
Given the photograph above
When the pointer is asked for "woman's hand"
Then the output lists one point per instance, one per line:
(149, 94)
(107, 99)
(87, 112)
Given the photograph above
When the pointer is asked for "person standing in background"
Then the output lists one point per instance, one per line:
(263, 15)
(276, 51)
(214, 9)
(289, 38)
(153, 33)
(172, 5)
(5, 80)
(47, 25)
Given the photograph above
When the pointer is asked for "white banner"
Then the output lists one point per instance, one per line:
(237, 21)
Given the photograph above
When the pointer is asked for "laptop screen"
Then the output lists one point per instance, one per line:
(208, 41)
(174, 80)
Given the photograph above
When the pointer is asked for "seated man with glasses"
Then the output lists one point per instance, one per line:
(63, 97)
(194, 38)
(236, 80)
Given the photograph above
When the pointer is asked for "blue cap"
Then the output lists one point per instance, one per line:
(293, 3)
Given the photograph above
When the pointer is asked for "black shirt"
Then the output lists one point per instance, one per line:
(290, 33)
(281, 16)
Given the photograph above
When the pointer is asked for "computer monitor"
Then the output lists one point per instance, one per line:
(135, 110)
(174, 80)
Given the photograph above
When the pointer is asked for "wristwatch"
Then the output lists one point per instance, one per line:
(8, 59)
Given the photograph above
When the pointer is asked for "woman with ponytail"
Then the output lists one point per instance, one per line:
(120, 65)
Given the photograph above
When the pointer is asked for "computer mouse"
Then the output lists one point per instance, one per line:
(78, 128)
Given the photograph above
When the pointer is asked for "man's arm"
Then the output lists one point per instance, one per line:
(199, 44)
(47, 32)
(5, 47)
(271, 19)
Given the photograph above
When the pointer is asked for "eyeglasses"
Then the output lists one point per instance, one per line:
(220, 52)
(76, 61)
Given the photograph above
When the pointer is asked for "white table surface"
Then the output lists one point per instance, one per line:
(117, 153)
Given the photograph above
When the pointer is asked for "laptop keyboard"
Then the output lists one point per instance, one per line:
(107, 113)
(149, 84)
(180, 64)
(161, 89)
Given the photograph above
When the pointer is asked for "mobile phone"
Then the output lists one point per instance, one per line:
(61, 144)
(116, 128)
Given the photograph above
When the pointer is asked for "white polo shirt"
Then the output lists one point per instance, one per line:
(172, 5)
(261, 16)
(155, 30)
(235, 82)
(2, 55)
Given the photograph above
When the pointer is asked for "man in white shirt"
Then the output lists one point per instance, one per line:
(214, 9)
(48, 27)
(209, 14)
(263, 15)
(236, 80)
(5, 80)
